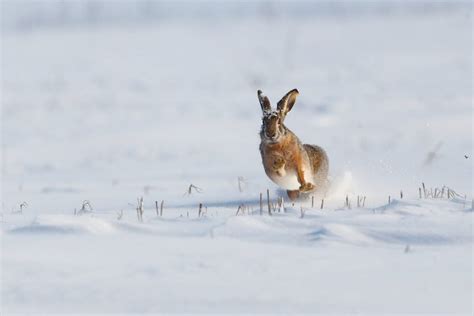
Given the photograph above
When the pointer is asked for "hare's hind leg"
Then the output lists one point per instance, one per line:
(319, 163)
(318, 159)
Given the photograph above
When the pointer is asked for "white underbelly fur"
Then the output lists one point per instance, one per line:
(289, 180)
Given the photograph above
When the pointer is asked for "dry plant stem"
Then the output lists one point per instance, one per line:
(22, 206)
(140, 209)
(161, 207)
(322, 203)
(156, 207)
(401, 194)
(424, 189)
(190, 189)
(261, 204)
(240, 179)
(85, 205)
(200, 210)
(268, 202)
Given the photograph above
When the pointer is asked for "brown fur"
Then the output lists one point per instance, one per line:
(293, 194)
(319, 162)
(283, 153)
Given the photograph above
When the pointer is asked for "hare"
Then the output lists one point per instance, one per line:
(296, 167)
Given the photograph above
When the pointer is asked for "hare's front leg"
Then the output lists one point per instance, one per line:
(279, 165)
(304, 186)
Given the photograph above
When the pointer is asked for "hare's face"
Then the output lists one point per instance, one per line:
(272, 126)
(272, 121)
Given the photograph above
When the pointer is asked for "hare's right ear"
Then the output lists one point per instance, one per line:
(264, 102)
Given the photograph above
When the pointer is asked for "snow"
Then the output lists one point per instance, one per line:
(108, 113)
(342, 261)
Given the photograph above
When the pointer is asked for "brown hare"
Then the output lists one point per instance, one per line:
(293, 166)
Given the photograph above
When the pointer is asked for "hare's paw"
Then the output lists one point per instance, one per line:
(278, 163)
(306, 187)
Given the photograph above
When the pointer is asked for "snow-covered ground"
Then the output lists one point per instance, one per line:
(412, 256)
(110, 113)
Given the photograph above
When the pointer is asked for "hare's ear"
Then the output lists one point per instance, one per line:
(286, 103)
(264, 102)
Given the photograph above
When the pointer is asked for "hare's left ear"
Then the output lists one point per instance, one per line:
(286, 103)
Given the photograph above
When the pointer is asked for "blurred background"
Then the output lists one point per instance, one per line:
(29, 15)
(109, 100)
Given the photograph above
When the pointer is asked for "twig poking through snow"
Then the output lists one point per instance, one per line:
(281, 205)
(268, 202)
(240, 209)
(85, 205)
(190, 189)
(22, 206)
(140, 209)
